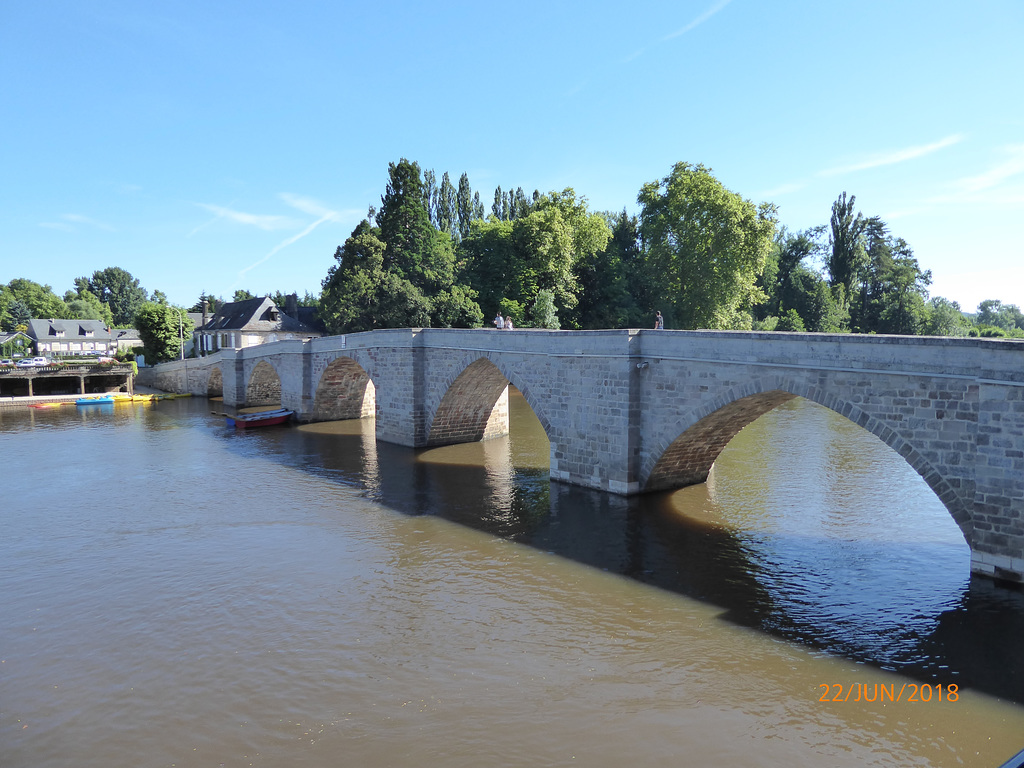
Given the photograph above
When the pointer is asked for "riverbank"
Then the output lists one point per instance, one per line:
(141, 394)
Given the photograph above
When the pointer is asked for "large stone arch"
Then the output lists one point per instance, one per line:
(264, 386)
(708, 429)
(215, 382)
(475, 404)
(345, 391)
(688, 459)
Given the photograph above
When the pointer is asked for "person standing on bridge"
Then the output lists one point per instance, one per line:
(499, 322)
(659, 321)
(508, 323)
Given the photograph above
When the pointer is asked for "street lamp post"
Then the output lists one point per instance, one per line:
(181, 344)
(181, 335)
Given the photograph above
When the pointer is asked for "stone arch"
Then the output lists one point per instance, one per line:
(345, 391)
(475, 404)
(708, 429)
(688, 459)
(264, 387)
(215, 383)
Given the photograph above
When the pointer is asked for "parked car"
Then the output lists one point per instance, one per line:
(32, 362)
(6, 361)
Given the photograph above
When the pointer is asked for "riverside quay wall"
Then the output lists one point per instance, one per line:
(632, 411)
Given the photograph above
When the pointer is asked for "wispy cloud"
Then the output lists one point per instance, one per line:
(308, 206)
(783, 189)
(69, 221)
(331, 216)
(265, 222)
(1012, 165)
(75, 218)
(892, 158)
(699, 20)
(682, 31)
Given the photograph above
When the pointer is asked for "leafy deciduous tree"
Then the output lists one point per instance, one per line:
(707, 244)
(116, 288)
(162, 328)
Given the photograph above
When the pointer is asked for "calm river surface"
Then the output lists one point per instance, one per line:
(176, 593)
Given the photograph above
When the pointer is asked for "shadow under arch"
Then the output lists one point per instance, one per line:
(475, 405)
(706, 431)
(215, 383)
(264, 386)
(344, 391)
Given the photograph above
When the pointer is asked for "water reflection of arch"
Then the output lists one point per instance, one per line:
(215, 382)
(475, 404)
(344, 391)
(705, 431)
(263, 386)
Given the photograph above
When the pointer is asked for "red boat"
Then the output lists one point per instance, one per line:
(259, 419)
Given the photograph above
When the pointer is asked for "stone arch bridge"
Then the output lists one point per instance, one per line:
(632, 411)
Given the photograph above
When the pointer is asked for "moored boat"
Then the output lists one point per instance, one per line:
(95, 400)
(258, 419)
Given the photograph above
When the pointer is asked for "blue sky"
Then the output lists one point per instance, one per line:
(211, 146)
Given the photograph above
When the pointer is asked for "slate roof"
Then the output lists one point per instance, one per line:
(255, 315)
(6, 337)
(45, 330)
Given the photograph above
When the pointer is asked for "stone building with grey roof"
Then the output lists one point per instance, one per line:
(248, 323)
(72, 337)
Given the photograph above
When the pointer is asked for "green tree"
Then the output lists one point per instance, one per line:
(511, 260)
(116, 288)
(604, 280)
(162, 328)
(707, 244)
(809, 294)
(465, 208)
(790, 321)
(893, 290)
(242, 295)
(84, 305)
(543, 313)
(642, 288)
(359, 294)
(446, 206)
(945, 318)
(212, 302)
(790, 251)
(847, 256)
(39, 299)
(20, 313)
(996, 314)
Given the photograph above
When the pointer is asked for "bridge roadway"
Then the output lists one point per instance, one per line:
(629, 411)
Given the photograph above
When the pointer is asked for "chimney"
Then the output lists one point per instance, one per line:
(291, 305)
(205, 310)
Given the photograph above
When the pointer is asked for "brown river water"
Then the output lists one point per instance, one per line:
(177, 593)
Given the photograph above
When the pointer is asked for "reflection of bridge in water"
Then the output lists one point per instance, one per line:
(633, 411)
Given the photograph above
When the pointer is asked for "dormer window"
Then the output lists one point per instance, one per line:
(273, 314)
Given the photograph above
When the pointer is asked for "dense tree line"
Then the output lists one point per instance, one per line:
(701, 254)
(698, 252)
